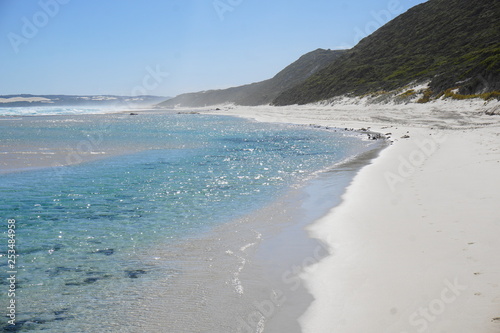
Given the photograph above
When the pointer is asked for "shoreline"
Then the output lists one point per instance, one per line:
(286, 259)
(420, 255)
(252, 263)
(254, 268)
(428, 226)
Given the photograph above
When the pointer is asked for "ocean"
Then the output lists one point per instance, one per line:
(51, 111)
(162, 222)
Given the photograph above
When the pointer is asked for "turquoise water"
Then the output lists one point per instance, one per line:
(82, 230)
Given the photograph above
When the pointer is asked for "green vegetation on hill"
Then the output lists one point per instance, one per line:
(451, 43)
(261, 92)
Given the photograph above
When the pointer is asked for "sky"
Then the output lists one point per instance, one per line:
(169, 47)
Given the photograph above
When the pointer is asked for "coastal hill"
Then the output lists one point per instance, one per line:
(263, 92)
(453, 44)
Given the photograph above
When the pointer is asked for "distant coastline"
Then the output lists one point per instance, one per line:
(85, 101)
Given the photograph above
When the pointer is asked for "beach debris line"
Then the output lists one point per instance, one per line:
(371, 135)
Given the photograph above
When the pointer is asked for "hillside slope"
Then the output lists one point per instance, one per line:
(261, 92)
(451, 43)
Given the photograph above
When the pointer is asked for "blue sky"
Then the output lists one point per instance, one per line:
(168, 47)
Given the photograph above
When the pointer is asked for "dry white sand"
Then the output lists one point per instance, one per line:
(415, 245)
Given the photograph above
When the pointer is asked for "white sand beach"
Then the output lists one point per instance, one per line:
(415, 244)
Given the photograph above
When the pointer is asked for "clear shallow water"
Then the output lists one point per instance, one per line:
(83, 231)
